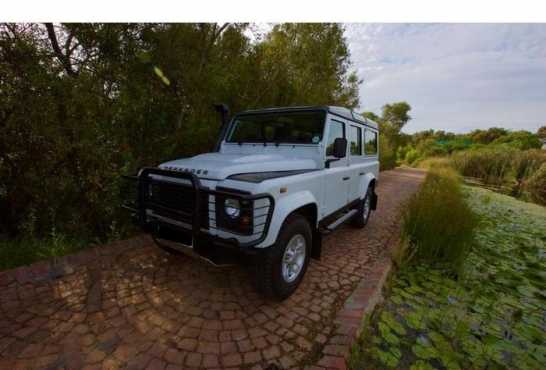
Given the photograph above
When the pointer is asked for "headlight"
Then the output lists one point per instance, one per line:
(232, 207)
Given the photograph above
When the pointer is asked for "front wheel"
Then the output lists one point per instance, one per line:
(364, 210)
(280, 268)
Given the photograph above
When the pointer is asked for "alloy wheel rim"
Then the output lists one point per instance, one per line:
(293, 258)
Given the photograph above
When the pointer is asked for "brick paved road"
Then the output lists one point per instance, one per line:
(130, 305)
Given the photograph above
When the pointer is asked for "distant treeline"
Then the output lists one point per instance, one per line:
(511, 161)
(432, 143)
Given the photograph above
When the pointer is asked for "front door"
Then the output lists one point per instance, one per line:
(337, 177)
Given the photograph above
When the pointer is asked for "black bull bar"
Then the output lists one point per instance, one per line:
(142, 203)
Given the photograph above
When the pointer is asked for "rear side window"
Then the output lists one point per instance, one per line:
(355, 140)
(336, 129)
(370, 142)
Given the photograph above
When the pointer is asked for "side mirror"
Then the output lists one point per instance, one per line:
(340, 151)
(340, 147)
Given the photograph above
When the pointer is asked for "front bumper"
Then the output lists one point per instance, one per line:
(201, 219)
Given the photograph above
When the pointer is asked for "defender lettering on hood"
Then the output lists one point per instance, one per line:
(219, 166)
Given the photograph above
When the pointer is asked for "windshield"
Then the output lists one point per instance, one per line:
(286, 127)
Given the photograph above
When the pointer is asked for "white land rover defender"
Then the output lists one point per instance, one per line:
(280, 178)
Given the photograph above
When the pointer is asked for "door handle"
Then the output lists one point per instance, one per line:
(346, 178)
(361, 174)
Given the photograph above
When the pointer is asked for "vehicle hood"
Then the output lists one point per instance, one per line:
(218, 166)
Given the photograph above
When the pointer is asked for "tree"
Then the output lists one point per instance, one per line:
(541, 132)
(396, 114)
(306, 63)
(81, 104)
(487, 136)
(372, 116)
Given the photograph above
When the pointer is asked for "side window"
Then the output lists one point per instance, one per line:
(370, 142)
(336, 129)
(355, 140)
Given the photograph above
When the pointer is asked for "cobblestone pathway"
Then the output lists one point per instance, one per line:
(131, 305)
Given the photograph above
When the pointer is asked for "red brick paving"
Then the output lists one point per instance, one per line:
(130, 305)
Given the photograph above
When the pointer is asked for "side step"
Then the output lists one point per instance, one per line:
(341, 220)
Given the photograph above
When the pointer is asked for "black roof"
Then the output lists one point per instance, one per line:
(338, 111)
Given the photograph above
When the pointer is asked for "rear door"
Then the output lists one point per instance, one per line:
(356, 161)
(337, 177)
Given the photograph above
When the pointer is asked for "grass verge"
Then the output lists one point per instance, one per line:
(490, 317)
(19, 252)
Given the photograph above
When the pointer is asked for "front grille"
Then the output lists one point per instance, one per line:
(178, 197)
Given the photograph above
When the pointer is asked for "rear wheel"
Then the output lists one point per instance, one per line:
(364, 210)
(280, 268)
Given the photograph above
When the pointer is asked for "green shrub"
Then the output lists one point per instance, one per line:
(527, 162)
(434, 162)
(438, 226)
(24, 251)
(522, 140)
(412, 156)
(536, 185)
(491, 165)
(387, 153)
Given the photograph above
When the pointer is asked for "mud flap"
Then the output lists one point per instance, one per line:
(374, 200)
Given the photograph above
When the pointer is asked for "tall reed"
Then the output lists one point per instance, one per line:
(438, 225)
(491, 165)
(535, 185)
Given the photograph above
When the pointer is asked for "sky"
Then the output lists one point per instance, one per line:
(456, 77)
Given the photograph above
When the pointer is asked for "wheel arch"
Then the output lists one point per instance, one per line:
(301, 202)
(368, 180)
(310, 212)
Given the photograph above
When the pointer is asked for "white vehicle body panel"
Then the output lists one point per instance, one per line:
(328, 189)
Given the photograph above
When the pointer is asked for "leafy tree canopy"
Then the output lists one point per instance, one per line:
(396, 114)
(80, 104)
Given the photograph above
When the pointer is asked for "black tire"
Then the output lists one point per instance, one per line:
(363, 215)
(269, 268)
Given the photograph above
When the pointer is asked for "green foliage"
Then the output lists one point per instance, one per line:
(492, 164)
(526, 163)
(387, 154)
(412, 155)
(535, 185)
(476, 146)
(112, 98)
(438, 225)
(522, 140)
(487, 136)
(504, 165)
(491, 316)
(396, 114)
(24, 251)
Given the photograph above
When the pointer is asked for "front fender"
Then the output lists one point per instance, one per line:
(283, 207)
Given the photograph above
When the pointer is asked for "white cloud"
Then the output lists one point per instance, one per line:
(455, 76)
